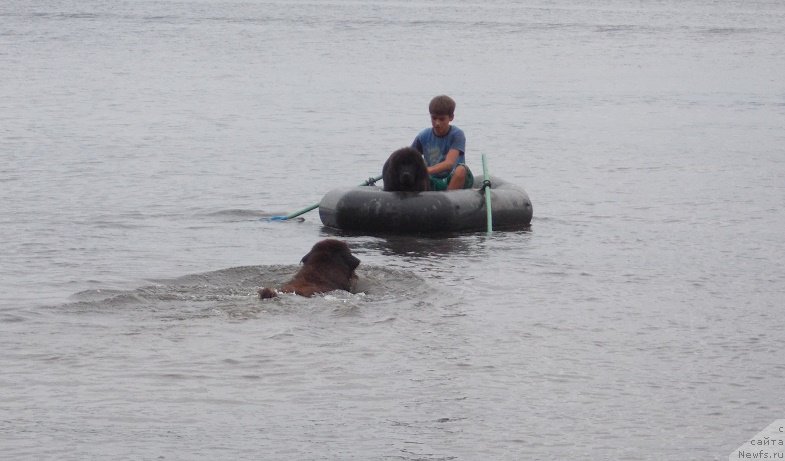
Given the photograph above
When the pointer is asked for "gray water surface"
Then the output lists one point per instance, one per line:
(143, 144)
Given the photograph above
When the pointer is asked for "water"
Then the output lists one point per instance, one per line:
(142, 143)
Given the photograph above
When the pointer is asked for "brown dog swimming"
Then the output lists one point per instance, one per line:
(405, 171)
(328, 266)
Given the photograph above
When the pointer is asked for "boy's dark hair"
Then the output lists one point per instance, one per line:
(442, 105)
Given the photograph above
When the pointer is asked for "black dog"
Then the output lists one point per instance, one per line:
(405, 170)
(328, 266)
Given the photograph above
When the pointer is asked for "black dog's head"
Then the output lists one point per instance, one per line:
(405, 170)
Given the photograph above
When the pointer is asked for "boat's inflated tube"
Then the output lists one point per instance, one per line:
(370, 209)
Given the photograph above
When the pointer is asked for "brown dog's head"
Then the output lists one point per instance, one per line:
(331, 253)
(405, 171)
(328, 266)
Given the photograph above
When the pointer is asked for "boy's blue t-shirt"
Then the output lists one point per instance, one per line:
(434, 148)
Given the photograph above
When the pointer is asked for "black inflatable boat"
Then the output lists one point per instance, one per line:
(370, 209)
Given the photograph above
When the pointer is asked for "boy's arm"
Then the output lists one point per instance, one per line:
(448, 164)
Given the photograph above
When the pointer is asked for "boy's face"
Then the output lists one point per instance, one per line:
(441, 124)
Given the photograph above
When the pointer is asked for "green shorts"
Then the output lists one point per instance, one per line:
(442, 183)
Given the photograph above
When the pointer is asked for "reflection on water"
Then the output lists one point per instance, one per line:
(433, 245)
(429, 246)
(423, 246)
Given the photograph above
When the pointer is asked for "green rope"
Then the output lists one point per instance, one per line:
(367, 182)
(486, 186)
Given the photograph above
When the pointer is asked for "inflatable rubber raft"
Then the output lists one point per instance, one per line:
(371, 209)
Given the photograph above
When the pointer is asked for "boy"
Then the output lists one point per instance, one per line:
(444, 146)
